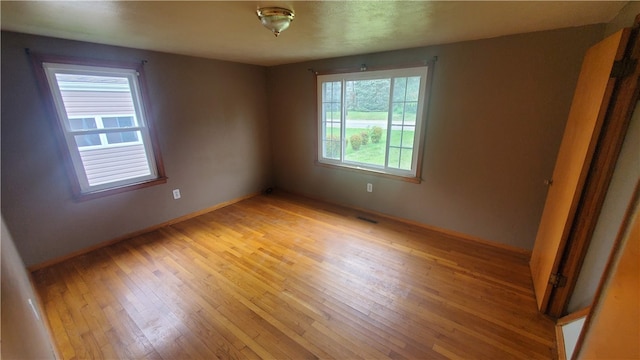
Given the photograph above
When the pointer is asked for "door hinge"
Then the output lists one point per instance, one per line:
(624, 67)
(558, 280)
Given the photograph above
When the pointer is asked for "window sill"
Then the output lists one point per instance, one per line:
(116, 190)
(415, 180)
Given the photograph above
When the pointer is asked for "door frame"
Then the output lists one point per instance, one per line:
(591, 337)
(616, 122)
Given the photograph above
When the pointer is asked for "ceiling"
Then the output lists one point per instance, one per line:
(230, 30)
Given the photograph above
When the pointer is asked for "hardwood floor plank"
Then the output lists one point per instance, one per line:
(287, 277)
(66, 349)
(219, 335)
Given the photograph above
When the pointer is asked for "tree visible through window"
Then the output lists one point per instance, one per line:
(102, 119)
(372, 120)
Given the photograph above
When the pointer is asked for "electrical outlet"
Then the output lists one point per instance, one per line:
(369, 187)
(176, 194)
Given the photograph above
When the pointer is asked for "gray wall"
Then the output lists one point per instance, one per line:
(23, 333)
(623, 182)
(213, 132)
(498, 110)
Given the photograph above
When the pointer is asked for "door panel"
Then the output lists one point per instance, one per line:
(588, 109)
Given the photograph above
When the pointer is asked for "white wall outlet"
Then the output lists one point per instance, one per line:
(176, 194)
(369, 187)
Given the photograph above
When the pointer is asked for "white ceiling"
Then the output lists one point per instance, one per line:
(230, 30)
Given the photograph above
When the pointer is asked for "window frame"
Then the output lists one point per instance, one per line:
(103, 131)
(69, 150)
(424, 70)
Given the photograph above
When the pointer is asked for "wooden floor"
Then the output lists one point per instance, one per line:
(283, 277)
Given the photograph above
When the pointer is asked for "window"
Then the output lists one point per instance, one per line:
(103, 123)
(373, 120)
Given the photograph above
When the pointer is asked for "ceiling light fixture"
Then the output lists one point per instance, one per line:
(275, 19)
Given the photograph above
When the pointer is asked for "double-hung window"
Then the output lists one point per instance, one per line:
(373, 120)
(103, 122)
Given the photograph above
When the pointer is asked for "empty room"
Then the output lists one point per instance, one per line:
(320, 179)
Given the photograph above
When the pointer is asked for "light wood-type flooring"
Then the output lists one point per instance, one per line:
(284, 277)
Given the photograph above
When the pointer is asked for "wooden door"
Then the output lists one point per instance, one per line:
(621, 109)
(588, 110)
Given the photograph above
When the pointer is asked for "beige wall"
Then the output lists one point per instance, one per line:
(23, 333)
(213, 132)
(497, 114)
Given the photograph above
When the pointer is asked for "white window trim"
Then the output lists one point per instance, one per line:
(50, 69)
(102, 131)
(424, 72)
